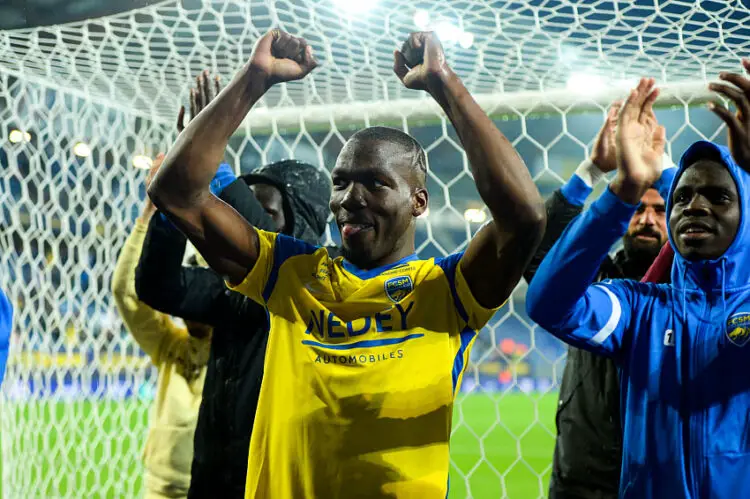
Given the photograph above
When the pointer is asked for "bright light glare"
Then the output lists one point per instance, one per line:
(475, 215)
(447, 32)
(142, 162)
(17, 136)
(422, 19)
(355, 6)
(426, 213)
(466, 39)
(82, 150)
(586, 83)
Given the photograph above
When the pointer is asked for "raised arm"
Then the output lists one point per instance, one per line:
(567, 202)
(503, 248)
(181, 188)
(561, 297)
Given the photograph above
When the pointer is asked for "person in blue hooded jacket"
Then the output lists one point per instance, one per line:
(6, 322)
(683, 348)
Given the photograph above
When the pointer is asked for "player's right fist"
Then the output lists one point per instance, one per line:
(280, 57)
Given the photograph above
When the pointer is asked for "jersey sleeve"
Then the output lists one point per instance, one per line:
(274, 250)
(562, 297)
(471, 312)
(599, 320)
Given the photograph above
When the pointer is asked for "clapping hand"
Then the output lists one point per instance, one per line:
(640, 142)
(738, 125)
(200, 96)
(604, 152)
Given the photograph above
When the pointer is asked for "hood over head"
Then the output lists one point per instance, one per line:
(306, 190)
(731, 270)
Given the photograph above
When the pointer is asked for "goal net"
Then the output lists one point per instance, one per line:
(81, 103)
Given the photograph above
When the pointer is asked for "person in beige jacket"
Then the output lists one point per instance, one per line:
(180, 354)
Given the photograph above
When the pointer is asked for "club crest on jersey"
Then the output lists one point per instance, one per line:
(398, 287)
(738, 328)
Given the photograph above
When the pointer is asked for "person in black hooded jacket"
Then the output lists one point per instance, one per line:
(235, 366)
(286, 196)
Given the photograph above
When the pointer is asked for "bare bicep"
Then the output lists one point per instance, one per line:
(494, 263)
(225, 239)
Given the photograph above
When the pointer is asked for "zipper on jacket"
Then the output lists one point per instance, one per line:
(697, 422)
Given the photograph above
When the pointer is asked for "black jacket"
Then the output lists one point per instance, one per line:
(240, 334)
(588, 449)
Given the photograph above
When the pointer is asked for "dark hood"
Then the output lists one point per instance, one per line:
(306, 190)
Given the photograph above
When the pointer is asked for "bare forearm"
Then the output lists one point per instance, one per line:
(501, 177)
(186, 173)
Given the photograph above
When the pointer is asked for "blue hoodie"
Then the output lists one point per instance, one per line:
(6, 322)
(683, 349)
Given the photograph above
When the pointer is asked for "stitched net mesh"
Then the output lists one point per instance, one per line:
(78, 102)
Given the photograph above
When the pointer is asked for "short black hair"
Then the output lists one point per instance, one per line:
(396, 136)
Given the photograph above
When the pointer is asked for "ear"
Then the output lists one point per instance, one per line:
(420, 200)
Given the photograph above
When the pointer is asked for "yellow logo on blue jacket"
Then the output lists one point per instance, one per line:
(738, 328)
(398, 287)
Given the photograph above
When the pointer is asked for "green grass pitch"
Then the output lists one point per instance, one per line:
(513, 432)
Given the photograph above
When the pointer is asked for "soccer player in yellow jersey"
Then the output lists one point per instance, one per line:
(365, 351)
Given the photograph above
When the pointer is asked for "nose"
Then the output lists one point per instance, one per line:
(353, 198)
(647, 217)
(697, 207)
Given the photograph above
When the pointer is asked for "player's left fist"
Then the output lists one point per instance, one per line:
(279, 57)
(421, 64)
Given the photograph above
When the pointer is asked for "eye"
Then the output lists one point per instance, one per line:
(339, 183)
(681, 198)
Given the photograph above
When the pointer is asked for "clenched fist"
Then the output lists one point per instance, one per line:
(424, 51)
(280, 57)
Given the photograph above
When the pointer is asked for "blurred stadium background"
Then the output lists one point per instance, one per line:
(89, 91)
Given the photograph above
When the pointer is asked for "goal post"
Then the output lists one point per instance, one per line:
(81, 103)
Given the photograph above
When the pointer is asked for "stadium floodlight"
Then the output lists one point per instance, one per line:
(142, 162)
(466, 39)
(447, 32)
(475, 215)
(17, 136)
(585, 82)
(82, 150)
(355, 6)
(422, 19)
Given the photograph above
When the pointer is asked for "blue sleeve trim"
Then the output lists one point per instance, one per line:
(575, 191)
(162, 220)
(664, 184)
(449, 264)
(285, 248)
(458, 363)
(6, 324)
(224, 176)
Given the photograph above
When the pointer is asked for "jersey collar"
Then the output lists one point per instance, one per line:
(369, 274)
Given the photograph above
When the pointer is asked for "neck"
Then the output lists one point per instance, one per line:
(404, 247)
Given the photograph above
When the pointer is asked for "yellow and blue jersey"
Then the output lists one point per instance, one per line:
(361, 371)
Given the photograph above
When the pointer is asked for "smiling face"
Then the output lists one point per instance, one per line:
(647, 231)
(378, 191)
(705, 211)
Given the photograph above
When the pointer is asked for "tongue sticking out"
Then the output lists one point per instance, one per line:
(349, 230)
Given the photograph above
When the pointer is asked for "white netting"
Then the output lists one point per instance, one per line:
(76, 394)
